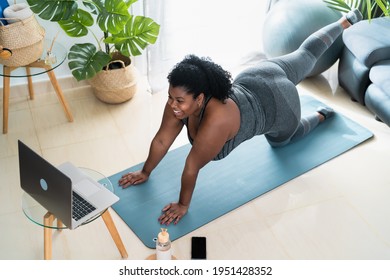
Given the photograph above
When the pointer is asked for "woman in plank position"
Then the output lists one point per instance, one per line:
(220, 114)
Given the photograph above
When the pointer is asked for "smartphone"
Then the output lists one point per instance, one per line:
(198, 248)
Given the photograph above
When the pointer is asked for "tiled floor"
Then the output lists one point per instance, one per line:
(339, 210)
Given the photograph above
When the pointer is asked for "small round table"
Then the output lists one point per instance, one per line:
(45, 64)
(34, 212)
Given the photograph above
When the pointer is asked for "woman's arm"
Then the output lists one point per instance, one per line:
(169, 129)
(212, 134)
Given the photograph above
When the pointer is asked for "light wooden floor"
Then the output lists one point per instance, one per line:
(339, 210)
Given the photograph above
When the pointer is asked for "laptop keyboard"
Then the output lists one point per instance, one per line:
(81, 207)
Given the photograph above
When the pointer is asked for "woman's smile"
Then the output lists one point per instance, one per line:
(177, 113)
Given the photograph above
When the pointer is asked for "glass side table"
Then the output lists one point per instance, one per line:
(39, 67)
(40, 216)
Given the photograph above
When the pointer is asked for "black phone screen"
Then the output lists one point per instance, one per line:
(198, 248)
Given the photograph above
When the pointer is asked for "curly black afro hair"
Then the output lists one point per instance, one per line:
(201, 75)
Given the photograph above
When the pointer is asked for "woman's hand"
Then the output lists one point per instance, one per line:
(133, 178)
(173, 212)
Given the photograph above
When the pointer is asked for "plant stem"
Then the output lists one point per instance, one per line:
(107, 45)
(96, 38)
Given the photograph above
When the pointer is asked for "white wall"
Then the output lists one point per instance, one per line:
(224, 30)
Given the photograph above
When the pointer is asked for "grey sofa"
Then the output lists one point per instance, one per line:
(364, 66)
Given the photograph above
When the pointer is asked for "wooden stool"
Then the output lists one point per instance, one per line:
(48, 221)
(6, 88)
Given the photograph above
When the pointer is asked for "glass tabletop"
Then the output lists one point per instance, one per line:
(47, 62)
(35, 212)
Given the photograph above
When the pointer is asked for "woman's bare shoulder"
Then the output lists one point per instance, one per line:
(223, 115)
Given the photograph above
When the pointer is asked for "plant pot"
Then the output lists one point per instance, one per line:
(116, 83)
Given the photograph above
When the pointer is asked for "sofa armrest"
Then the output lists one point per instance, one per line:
(369, 41)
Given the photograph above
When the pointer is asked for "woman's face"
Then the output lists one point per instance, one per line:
(183, 103)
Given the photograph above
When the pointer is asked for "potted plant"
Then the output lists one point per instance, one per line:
(368, 8)
(123, 34)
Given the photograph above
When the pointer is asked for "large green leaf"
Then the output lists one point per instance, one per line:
(129, 34)
(85, 61)
(77, 25)
(93, 6)
(53, 10)
(113, 16)
(136, 35)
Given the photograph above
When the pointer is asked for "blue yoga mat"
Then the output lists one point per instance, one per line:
(251, 170)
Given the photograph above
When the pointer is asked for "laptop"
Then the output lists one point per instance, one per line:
(65, 191)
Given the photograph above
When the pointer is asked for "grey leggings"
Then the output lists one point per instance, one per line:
(289, 70)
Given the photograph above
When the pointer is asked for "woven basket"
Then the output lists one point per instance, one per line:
(25, 39)
(116, 85)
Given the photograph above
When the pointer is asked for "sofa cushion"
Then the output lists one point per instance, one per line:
(369, 40)
(380, 75)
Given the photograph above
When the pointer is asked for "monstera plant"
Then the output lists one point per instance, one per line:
(120, 31)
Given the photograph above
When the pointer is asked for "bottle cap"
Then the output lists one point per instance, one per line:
(163, 236)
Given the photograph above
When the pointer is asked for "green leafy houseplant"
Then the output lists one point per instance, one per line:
(121, 31)
(368, 8)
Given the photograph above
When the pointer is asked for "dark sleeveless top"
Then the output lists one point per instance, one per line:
(256, 102)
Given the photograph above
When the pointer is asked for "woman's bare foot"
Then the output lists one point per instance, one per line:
(351, 18)
(325, 113)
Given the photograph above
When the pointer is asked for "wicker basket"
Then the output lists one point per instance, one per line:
(25, 39)
(115, 86)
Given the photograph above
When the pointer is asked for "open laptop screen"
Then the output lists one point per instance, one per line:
(45, 183)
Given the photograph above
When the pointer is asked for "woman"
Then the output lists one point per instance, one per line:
(220, 115)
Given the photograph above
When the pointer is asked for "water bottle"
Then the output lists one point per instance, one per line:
(163, 246)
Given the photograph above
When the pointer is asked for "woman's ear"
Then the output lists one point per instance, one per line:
(200, 99)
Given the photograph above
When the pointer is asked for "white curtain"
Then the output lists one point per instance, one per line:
(229, 32)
